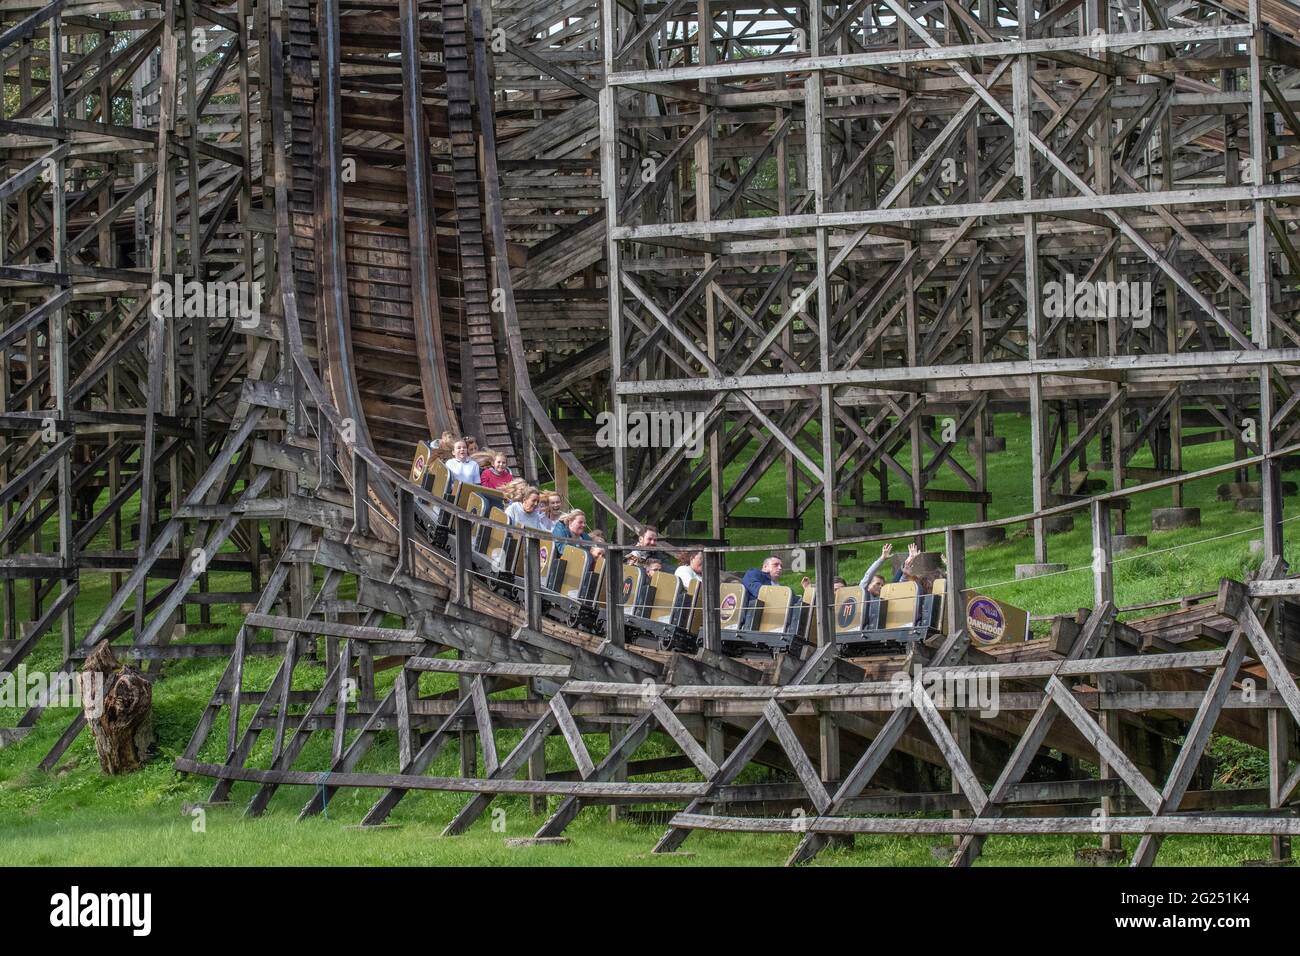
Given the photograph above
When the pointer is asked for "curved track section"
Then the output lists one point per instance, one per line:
(379, 277)
(402, 271)
(341, 391)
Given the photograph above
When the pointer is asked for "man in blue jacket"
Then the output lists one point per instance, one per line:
(755, 578)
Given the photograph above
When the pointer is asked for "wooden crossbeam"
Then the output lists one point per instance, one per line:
(1085, 646)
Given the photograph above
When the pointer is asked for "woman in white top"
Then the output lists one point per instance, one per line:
(527, 513)
(691, 569)
(461, 466)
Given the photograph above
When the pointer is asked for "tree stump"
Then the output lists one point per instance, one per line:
(118, 703)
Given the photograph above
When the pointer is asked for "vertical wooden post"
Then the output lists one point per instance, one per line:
(57, 343)
(199, 325)
(614, 598)
(1279, 747)
(561, 477)
(528, 460)
(1103, 580)
(464, 559)
(533, 583)
(611, 15)
(814, 110)
(1270, 484)
(406, 689)
(954, 600)
(711, 641)
(1103, 591)
(366, 676)
(954, 620)
(466, 737)
(405, 530)
(161, 261)
(824, 610)
(325, 464)
(360, 495)
(1023, 116)
(703, 172)
(911, 320)
(710, 603)
(959, 724)
(824, 606)
(536, 759)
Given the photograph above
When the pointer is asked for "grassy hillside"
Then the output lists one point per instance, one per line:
(74, 815)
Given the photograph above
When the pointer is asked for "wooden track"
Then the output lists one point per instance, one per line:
(483, 401)
(367, 347)
(396, 376)
(402, 341)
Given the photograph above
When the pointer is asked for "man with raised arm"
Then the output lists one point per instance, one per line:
(873, 580)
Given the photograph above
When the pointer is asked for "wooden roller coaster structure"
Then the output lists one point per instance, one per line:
(825, 228)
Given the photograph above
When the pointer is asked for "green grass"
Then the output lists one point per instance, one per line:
(75, 815)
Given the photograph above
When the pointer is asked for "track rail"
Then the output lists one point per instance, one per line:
(482, 395)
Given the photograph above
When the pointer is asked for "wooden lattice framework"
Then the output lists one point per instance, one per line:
(127, 158)
(283, 436)
(835, 229)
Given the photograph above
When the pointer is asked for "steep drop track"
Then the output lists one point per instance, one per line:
(482, 399)
(357, 283)
(409, 276)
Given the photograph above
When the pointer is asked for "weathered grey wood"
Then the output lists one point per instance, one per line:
(683, 737)
(572, 736)
(1280, 678)
(420, 762)
(285, 759)
(1106, 748)
(331, 628)
(1085, 646)
(475, 785)
(880, 273)
(985, 826)
(487, 668)
(803, 767)
(533, 739)
(483, 719)
(1012, 47)
(1194, 744)
(617, 758)
(962, 774)
(952, 648)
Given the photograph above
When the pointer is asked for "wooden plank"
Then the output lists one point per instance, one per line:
(683, 737)
(1107, 749)
(569, 728)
